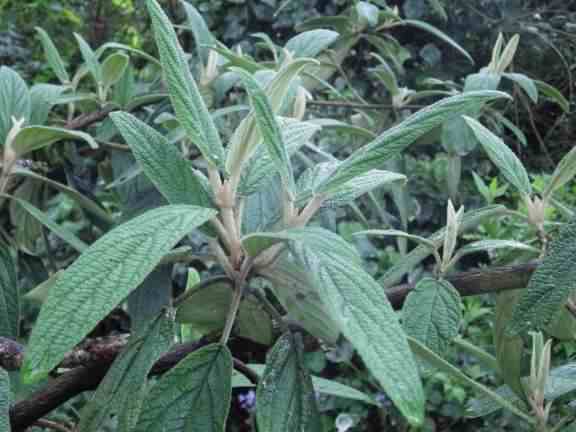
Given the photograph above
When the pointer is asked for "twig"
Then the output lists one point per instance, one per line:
(353, 105)
(86, 120)
(239, 287)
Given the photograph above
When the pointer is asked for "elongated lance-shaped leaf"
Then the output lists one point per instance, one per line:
(364, 315)
(527, 84)
(104, 220)
(45, 220)
(118, 46)
(260, 166)
(90, 58)
(397, 233)
(162, 162)
(123, 388)
(416, 256)
(285, 398)
(432, 314)
(33, 138)
(194, 396)
(550, 285)
(361, 310)
(202, 35)
(102, 277)
(246, 137)
(442, 365)
(501, 155)
(4, 401)
(553, 93)
(396, 139)
(9, 294)
(15, 100)
(310, 43)
(188, 104)
(346, 192)
(492, 244)
(268, 128)
(563, 173)
(53, 56)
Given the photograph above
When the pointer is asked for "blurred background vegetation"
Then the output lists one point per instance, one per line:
(547, 43)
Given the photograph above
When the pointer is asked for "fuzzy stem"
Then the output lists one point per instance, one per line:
(309, 211)
(239, 286)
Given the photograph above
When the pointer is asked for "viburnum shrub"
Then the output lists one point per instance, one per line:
(251, 195)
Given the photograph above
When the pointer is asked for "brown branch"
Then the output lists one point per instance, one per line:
(354, 105)
(476, 282)
(86, 120)
(92, 359)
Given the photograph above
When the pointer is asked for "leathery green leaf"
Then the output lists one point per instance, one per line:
(246, 137)
(285, 399)
(101, 277)
(442, 365)
(205, 310)
(396, 139)
(44, 219)
(364, 316)
(90, 58)
(324, 386)
(550, 285)
(122, 389)
(268, 128)
(33, 138)
(563, 173)
(322, 239)
(416, 256)
(9, 295)
(501, 155)
(193, 396)
(188, 104)
(162, 162)
(432, 313)
(295, 290)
